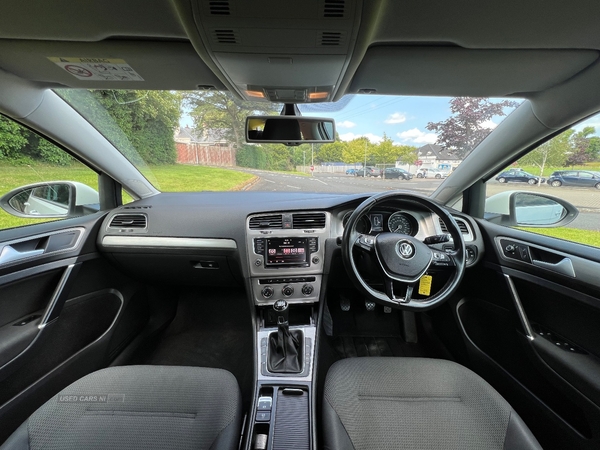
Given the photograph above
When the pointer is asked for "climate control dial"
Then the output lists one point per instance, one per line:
(268, 292)
(307, 289)
(287, 291)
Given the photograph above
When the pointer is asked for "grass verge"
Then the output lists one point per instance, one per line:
(171, 178)
(587, 237)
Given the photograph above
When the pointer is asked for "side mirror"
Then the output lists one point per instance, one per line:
(289, 130)
(51, 200)
(527, 209)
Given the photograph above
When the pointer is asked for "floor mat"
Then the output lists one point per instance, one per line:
(355, 346)
(211, 329)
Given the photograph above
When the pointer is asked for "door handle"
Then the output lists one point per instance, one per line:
(9, 254)
(564, 266)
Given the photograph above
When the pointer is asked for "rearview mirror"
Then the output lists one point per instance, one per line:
(51, 200)
(528, 209)
(290, 130)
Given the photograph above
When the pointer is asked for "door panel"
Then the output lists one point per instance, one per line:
(64, 312)
(533, 330)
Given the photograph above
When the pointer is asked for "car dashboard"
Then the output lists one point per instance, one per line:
(280, 245)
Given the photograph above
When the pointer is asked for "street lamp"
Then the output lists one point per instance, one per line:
(365, 164)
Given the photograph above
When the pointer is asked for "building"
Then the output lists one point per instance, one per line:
(209, 148)
(433, 157)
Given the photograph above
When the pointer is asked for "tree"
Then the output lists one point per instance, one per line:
(550, 153)
(407, 154)
(220, 110)
(356, 149)
(385, 152)
(13, 138)
(465, 129)
(593, 150)
(333, 152)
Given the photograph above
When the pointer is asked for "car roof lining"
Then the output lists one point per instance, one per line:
(512, 48)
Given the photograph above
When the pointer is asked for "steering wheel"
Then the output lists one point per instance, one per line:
(402, 258)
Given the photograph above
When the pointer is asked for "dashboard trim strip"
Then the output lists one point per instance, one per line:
(171, 242)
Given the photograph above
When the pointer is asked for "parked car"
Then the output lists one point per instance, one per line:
(351, 171)
(368, 171)
(395, 172)
(431, 173)
(583, 178)
(518, 176)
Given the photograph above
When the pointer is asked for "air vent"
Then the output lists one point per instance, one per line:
(219, 8)
(263, 222)
(461, 224)
(443, 226)
(129, 221)
(333, 9)
(225, 36)
(330, 38)
(309, 220)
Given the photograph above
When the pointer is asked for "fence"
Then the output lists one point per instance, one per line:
(206, 155)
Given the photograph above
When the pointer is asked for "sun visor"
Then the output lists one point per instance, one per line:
(110, 64)
(459, 72)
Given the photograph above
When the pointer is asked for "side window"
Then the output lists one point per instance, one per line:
(40, 182)
(557, 190)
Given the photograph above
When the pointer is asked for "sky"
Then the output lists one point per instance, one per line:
(403, 119)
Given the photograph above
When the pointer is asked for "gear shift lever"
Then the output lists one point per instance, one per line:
(282, 312)
(284, 346)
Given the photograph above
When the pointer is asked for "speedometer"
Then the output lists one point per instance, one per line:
(401, 223)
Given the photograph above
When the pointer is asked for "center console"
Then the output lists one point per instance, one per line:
(286, 256)
(286, 252)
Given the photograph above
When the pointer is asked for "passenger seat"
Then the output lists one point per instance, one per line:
(138, 407)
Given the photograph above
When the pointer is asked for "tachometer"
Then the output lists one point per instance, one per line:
(401, 223)
(362, 226)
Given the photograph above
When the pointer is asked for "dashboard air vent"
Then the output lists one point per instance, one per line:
(219, 8)
(308, 220)
(461, 224)
(333, 9)
(264, 222)
(129, 221)
(330, 38)
(225, 36)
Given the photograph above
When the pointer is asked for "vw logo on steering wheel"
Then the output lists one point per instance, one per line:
(405, 249)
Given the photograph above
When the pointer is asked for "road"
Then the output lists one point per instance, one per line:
(336, 183)
(587, 200)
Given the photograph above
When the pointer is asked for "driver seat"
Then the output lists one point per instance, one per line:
(416, 403)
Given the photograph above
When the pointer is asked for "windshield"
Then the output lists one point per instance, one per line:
(195, 140)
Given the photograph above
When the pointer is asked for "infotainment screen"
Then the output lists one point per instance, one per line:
(286, 251)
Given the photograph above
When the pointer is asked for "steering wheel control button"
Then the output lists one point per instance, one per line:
(405, 249)
(307, 289)
(287, 291)
(268, 292)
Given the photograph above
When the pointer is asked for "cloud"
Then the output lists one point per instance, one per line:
(396, 118)
(345, 124)
(417, 136)
(489, 124)
(370, 136)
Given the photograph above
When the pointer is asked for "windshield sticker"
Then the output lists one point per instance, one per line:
(97, 69)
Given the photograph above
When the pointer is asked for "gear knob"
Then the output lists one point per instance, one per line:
(282, 312)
